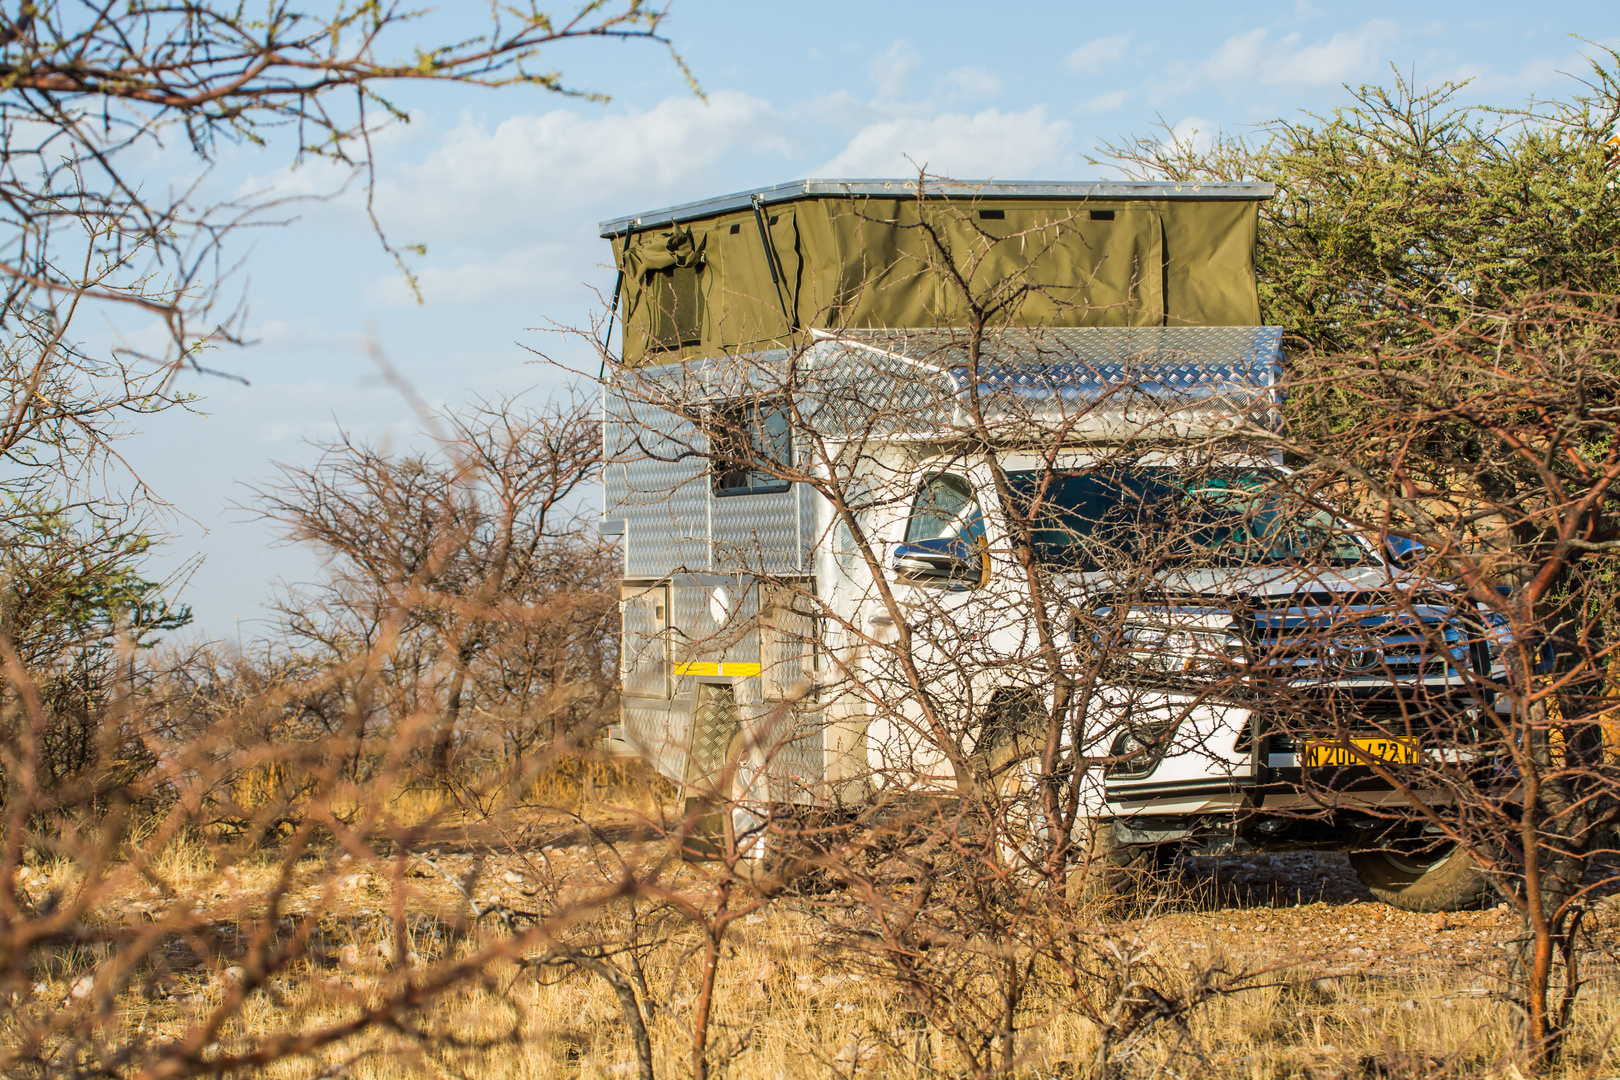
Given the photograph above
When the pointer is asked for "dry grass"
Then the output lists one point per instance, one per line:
(789, 1004)
(793, 1012)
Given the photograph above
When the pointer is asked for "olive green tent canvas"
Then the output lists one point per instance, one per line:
(753, 271)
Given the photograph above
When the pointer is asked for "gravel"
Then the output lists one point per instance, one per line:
(1308, 910)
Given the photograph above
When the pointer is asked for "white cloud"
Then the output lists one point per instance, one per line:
(1103, 102)
(527, 170)
(1255, 57)
(275, 333)
(1192, 131)
(1336, 60)
(840, 109)
(489, 278)
(1535, 73)
(891, 70)
(1093, 56)
(972, 82)
(990, 143)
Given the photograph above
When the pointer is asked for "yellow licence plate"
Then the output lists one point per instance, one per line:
(1330, 754)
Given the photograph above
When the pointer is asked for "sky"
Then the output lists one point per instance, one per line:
(506, 188)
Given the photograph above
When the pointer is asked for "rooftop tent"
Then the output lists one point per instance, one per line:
(748, 271)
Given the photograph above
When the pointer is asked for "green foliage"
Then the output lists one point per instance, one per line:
(1406, 211)
(72, 599)
(1422, 233)
(1447, 277)
(69, 588)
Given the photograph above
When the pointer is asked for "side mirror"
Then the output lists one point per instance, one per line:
(945, 558)
(1403, 551)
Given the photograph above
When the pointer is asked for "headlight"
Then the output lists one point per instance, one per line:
(1158, 649)
(1140, 748)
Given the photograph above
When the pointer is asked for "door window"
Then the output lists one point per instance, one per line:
(945, 534)
(946, 509)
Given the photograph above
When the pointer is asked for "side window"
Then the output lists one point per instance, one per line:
(946, 509)
(743, 443)
(677, 307)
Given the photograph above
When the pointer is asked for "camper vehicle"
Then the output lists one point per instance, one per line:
(869, 530)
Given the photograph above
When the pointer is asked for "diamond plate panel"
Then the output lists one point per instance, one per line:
(806, 513)
(1094, 381)
(797, 769)
(1086, 344)
(693, 629)
(787, 636)
(644, 669)
(715, 723)
(698, 638)
(659, 736)
(757, 534)
(657, 486)
(742, 635)
(850, 390)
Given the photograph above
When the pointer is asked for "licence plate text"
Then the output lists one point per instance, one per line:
(1331, 754)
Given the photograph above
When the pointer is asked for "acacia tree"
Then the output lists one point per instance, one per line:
(74, 610)
(1496, 451)
(467, 570)
(1408, 210)
(92, 94)
(457, 572)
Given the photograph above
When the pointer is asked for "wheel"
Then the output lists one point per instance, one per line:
(1013, 731)
(1445, 880)
(1119, 875)
(1101, 869)
(1022, 833)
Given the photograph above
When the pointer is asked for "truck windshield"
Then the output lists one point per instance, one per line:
(1110, 518)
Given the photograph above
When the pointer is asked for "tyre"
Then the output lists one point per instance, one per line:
(1101, 869)
(1445, 881)
(1013, 731)
(1118, 875)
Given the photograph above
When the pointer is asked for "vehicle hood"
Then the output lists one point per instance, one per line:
(1246, 584)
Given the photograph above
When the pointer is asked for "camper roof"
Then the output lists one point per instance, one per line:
(956, 189)
(1074, 384)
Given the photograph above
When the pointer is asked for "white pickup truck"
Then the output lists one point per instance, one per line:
(862, 561)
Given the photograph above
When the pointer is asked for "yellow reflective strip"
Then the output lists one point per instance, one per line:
(709, 667)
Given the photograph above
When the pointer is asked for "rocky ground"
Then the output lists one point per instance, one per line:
(1300, 910)
(1309, 910)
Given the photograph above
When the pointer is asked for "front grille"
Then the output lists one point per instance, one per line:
(1352, 643)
